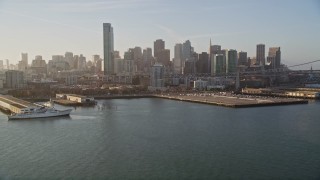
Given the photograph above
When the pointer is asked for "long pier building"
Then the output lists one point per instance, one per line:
(15, 105)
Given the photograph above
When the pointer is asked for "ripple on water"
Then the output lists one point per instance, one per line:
(163, 139)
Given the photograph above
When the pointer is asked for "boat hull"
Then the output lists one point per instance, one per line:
(40, 115)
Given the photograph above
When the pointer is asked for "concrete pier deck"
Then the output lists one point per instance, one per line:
(12, 104)
(233, 101)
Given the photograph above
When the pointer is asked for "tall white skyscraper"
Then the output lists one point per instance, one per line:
(108, 49)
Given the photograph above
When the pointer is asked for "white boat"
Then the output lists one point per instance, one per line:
(41, 112)
(49, 104)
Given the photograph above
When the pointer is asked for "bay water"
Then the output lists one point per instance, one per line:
(163, 139)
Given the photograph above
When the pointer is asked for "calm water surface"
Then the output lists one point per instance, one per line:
(164, 139)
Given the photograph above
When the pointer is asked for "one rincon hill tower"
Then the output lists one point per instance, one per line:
(108, 49)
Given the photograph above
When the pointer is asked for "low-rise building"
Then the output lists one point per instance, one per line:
(200, 84)
(303, 94)
(75, 98)
(157, 77)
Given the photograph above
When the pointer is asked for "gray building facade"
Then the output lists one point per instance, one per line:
(108, 49)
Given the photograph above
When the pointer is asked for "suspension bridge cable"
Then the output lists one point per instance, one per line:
(303, 63)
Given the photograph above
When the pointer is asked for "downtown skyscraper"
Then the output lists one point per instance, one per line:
(24, 58)
(161, 54)
(231, 61)
(274, 57)
(177, 60)
(260, 56)
(108, 49)
(158, 46)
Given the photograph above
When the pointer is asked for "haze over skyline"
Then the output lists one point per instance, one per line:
(53, 27)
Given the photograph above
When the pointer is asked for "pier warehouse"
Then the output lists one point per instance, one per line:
(75, 98)
(16, 105)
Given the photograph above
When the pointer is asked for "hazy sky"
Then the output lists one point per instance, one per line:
(50, 27)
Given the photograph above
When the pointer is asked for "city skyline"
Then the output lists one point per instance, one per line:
(52, 28)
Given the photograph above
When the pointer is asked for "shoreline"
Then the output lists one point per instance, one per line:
(231, 101)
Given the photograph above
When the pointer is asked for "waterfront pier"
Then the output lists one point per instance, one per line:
(74, 100)
(11, 104)
(234, 101)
